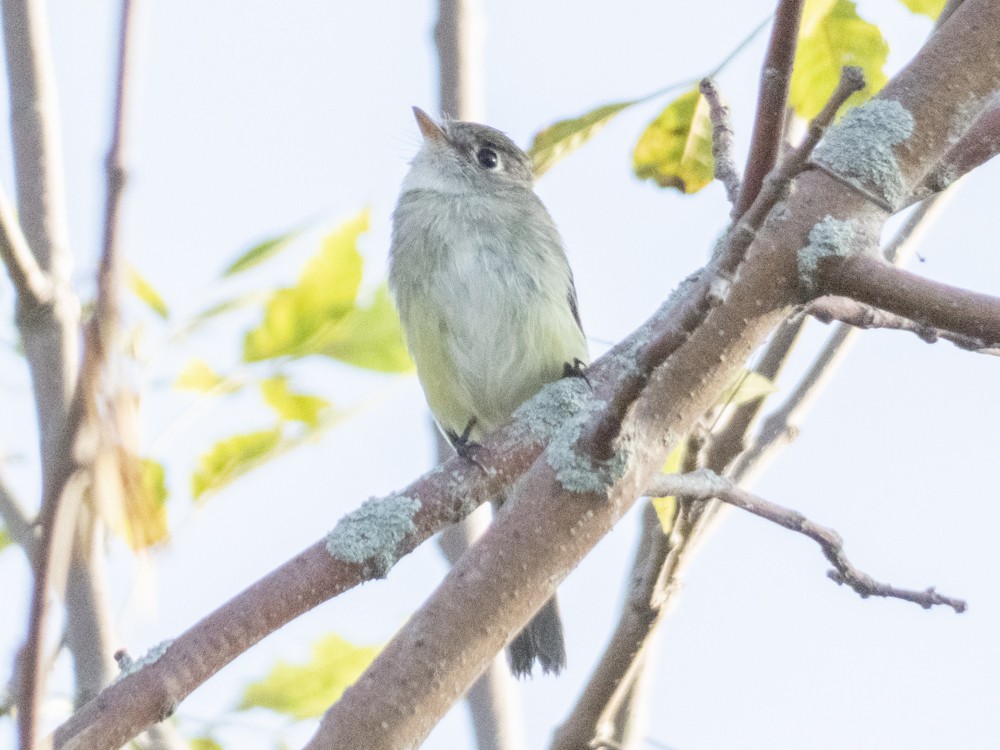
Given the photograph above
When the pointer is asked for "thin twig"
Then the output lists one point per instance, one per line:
(972, 315)
(31, 283)
(726, 170)
(705, 484)
(866, 317)
(63, 495)
(772, 102)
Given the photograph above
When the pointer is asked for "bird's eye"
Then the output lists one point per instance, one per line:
(487, 158)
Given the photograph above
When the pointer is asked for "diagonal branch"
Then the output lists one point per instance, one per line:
(29, 280)
(705, 485)
(859, 315)
(872, 281)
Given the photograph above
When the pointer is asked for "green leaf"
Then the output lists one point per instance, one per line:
(142, 289)
(203, 743)
(232, 457)
(833, 36)
(562, 138)
(261, 252)
(298, 407)
(666, 507)
(304, 691)
(675, 150)
(370, 337)
(141, 519)
(929, 8)
(198, 376)
(5, 540)
(298, 319)
(745, 387)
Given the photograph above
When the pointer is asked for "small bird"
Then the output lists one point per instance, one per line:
(486, 299)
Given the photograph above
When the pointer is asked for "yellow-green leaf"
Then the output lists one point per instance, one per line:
(304, 691)
(833, 36)
(290, 406)
(666, 507)
(675, 150)
(231, 458)
(198, 376)
(141, 518)
(261, 252)
(141, 288)
(149, 520)
(370, 337)
(298, 319)
(929, 8)
(562, 138)
(5, 540)
(203, 743)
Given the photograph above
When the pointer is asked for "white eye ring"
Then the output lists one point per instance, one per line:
(488, 158)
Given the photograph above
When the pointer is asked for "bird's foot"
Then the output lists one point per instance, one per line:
(576, 369)
(464, 445)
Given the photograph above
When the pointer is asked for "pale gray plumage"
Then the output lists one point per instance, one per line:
(486, 298)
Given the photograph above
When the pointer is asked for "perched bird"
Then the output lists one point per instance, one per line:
(486, 299)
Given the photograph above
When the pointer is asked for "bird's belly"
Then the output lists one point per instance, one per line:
(498, 341)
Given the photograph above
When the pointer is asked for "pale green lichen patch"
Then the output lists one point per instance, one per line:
(860, 148)
(127, 665)
(575, 470)
(829, 237)
(370, 535)
(543, 415)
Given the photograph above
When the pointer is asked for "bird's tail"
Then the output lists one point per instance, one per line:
(541, 640)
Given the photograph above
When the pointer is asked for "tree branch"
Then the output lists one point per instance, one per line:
(722, 140)
(772, 102)
(871, 281)
(49, 332)
(705, 485)
(30, 282)
(458, 36)
(87, 614)
(856, 314)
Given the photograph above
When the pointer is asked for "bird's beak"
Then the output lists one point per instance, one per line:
(431, 131)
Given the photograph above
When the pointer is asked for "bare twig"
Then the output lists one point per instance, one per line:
(705, 485)
(726, 171)
(860, 315)
(872, 281)
(49, 332)
(63, 494)
(29, 280)
(772, 102)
